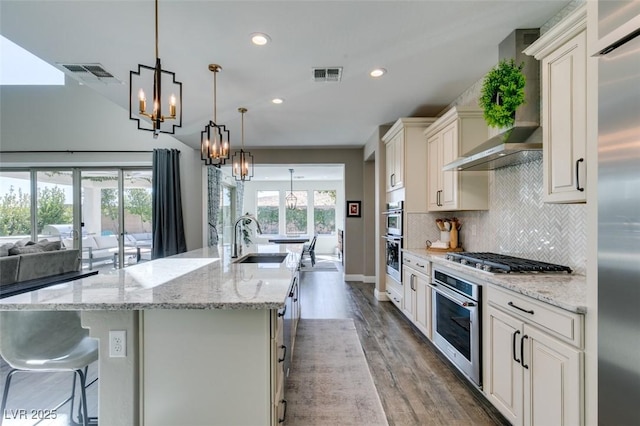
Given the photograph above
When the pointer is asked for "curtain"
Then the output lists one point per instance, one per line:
(214, 188)
(168, 225)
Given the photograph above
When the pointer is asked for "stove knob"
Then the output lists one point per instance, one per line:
(464, 261)
(486, 268)
(479, 265)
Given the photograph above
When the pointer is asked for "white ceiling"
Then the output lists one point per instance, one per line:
(433, 51)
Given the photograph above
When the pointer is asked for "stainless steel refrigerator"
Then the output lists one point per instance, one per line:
(619, 220)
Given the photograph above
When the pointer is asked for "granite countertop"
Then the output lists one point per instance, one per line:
(566, 291)
(198, 279)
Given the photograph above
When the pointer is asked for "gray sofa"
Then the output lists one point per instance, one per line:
(16, 268)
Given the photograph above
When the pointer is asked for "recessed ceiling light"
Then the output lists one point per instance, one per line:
(378, 72)
(277, 101)
(260, 39)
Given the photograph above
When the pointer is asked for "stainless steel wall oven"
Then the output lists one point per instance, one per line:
(456, 321)
(393, 237)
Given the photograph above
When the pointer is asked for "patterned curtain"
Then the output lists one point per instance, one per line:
(214, 177)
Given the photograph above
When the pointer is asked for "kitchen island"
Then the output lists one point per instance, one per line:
(204, 336)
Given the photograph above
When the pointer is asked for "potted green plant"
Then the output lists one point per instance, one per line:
(502, 92)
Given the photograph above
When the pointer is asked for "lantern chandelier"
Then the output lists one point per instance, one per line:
(242, 161)
(214, 139)
(291, 200)
(153, 80)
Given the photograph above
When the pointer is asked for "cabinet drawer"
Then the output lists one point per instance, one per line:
(395, 297)
(565, 325)
(416, 263)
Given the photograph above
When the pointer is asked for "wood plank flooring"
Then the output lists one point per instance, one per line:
(416, 384)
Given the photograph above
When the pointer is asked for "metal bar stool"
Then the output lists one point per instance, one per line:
(48, 341)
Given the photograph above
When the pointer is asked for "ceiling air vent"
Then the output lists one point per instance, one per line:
(89, 73)
(333, 74)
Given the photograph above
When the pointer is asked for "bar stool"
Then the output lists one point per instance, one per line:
(48, 341)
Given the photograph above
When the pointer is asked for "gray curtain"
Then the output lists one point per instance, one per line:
(168, 225)
(213, 205)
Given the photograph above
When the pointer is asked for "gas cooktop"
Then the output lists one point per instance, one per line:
(494, 262)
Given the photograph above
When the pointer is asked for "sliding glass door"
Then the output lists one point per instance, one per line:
(106, 213)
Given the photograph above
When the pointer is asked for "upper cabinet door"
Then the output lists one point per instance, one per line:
(449, 197)
(564, 107)
(563, 54)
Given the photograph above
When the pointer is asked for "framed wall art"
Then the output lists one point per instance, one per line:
(353, 208)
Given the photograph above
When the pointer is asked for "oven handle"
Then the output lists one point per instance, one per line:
(454, 298)
(392, 237)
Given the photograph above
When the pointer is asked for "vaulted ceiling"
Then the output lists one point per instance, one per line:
(432, 51)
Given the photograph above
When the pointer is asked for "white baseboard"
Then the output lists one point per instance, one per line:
(354, 277)
(360, 277)
(381, 296)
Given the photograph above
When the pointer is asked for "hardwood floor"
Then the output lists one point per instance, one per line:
(416, 384)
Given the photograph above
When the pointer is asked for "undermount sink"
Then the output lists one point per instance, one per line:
(263, 258)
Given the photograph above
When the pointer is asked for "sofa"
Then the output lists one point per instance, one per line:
(104, 249)
(30, 261)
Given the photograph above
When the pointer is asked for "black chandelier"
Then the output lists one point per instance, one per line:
(291, 200)
(153, 79)
(214, 139)
(242, 162)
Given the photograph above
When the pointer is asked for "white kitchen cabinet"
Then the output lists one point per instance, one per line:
(406, 174)
(456, 132)
(531, 376)
(416, 304)
(562, 52)
(395, 161)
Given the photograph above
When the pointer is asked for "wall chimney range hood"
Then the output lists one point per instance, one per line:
(523, 141)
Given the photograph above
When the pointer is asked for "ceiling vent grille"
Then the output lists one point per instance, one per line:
(89, 73)
(333, 74)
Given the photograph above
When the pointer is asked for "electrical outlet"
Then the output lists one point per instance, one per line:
(117, 343)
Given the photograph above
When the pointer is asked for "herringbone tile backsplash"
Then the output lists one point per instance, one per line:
(518, 222)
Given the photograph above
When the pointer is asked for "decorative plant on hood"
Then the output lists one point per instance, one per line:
(502, 92)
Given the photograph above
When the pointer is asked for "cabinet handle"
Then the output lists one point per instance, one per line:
(529, 311)
(413, 287)
(284, 353)
(513, 344)
(284, 414)
(419, 265)
(284, 311)
(578, 161)
(522, 350)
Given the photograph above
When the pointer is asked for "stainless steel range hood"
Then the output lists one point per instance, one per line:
(522, 142)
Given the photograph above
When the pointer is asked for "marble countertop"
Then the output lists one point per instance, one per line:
(199, 279)
(566, 291)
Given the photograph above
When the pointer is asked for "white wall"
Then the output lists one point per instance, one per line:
(326, 244)
(76, 118)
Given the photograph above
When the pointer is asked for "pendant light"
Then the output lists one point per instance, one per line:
(214, 139)
(242, 164)
(291, 200)
(154, 80)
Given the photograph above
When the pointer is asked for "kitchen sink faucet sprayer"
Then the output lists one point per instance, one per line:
(242, 218)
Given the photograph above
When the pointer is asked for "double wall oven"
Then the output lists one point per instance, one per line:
(393, 238)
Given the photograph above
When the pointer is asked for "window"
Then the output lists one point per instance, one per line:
(324, 212)
(296, 219)
(268, 204)
(15, 206)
